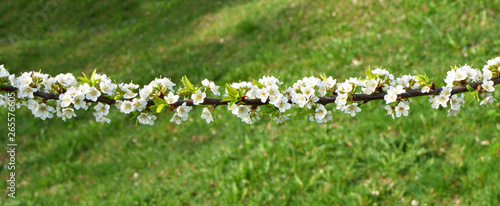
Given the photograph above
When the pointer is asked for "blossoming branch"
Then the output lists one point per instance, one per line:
(62, 95)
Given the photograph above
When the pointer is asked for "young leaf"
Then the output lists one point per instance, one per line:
(228, 98)
(117, 97)
(470, 88)
(184, 91)
(92, 77)
(231, 91)
(258, 84)
(84, 80)
(160, 108)
(369, 73)
(187, 84)
(323, 77)
(158, 101)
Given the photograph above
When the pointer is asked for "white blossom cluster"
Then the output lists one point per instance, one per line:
(70, 94)
(466, 74)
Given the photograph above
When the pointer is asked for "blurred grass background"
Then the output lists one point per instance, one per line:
(367, 160)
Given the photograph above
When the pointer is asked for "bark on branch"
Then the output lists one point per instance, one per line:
(257, 102)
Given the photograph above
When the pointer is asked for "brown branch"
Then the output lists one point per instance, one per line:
(257, 102)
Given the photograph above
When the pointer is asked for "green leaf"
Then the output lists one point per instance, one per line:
(470, 88)
(160, 108)
(369, 73)
(423, 79)
(232, 102)
(84, 80)
(228, 98)
(323, 77)
(242, 92)
(185, 90)
(231, 91)
(92, 77)
(117, 97)
(158, 101)
(258, 84)
(185, 81)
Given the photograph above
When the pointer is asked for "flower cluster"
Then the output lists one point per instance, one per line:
(466, 75)
(63, 95)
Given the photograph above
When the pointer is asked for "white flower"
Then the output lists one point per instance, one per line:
(139, 104)
(273, 90)
(25, 91)
(352, 109)
(488, 86)
(456, 102)
(145, 118)
(344, 87)
(392, 93)
(252, 93)
(24, 80)
(380, 72)
(307, 91)
(281, 118)
(127, 107)
(165, 82)
(214, 88)
(446, 91)
(205, 82)
(441, 100)
(300, 99)
(390, 110)
(102, 119)
(3, 72)
(93, 94)
(320, 112)
(426, 89)
(101, 109)
(370, 86)
(72, 91)
(44, 111)
(129, 94)
(66, 99)
(146, 91)
(330, 82)
(66, 80)
(311, 81)
(460, 74)
(390, 97)
(171, 98)
(402, 109)
(341, 100)
(178, 119)
(84, 88)
(206, 115)
(262, 94)
(488, 99)
(79, 101)
(241, 111)
(67, 113)
(282, 104)
(487, 74)
(108, 87)
(198, 97)
(452, 112)
(322, 89)
(32, 105)
(183, 110)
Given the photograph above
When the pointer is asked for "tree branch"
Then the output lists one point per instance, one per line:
(257, 102)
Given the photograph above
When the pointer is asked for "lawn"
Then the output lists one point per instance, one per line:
(370, 159)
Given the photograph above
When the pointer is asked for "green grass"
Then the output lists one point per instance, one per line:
(425, 157)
